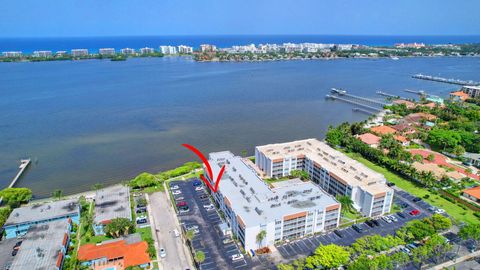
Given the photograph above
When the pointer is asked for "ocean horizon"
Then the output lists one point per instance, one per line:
(30, 44)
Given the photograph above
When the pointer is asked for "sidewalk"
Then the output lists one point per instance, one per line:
(457, 260)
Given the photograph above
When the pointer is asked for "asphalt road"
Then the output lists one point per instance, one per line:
(164, 221)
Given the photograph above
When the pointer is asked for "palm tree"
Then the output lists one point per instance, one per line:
(57, 194)
(346, 202)
(260, 236)
(199, 256)
(189, 235)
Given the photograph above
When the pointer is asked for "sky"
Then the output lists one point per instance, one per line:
(69, 18)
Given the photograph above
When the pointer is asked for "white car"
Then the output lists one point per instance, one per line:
(192, 227)
(237, 257)
(439, 211)
(176, 233)
(174, 187)
(207, 206)
(199, 188)
(179, 198)
(176, 192)
(393, 218)
(163, 253)
(386, 219)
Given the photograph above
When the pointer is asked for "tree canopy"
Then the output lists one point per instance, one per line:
(119, 227)
(143, 180)
(328, 256)
(15, 196)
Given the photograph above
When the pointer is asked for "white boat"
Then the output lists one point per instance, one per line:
(394, 58)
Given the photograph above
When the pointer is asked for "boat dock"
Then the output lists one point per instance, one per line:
(445, 80)
(363, 111)
(23, 166)
(381, 93)
(353, 102)
(418, 92)
(367, 100)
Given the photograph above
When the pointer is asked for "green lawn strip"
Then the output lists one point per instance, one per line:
(452, 209)
(146, 233)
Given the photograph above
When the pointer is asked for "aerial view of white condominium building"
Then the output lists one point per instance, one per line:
(284, 210)
(336, 173)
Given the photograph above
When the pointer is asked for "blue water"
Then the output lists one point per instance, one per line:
(28, 45)
(98, 121)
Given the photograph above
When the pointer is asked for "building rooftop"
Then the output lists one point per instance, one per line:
(471, 155)
(112, 202)
(255, 201)
(416, 117)
(383, 130)
(474, 192)
(348, 170)
(6, 248)
(38, 212)
(133, 252)
(409, 104)
(42, 245)
(461, 95)
(369, 138)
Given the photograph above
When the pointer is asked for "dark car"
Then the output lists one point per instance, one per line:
(203, 196)
(416, 199)
(184, 208)
(370, 223)
(338, 233)
(141, 205)
(142, 221)
(197, 183)
(14, 252)
(403, 205)
(374, 221)
(400, 214)
(390, 184)
(357, 228)
(141, 210)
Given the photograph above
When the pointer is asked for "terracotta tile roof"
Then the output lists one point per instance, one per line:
(409, 104)
(474, 192)
(460, 94)
(430, 105)
(369, 138)
(382, 130)
(132, 254)
(400, 138)
(416, 117)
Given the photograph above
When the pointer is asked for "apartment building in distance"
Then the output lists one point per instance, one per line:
(106, 51)
(146, 50)
(42, 53)
(472, 91)
(185, 49)
(168, 49)
(336, 173)
(284, 210)
(79, 52)
(12, 54)
(208, 48)
(127, 51)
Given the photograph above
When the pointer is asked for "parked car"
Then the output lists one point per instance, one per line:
(387, 219)
(411, 246)
(184, 210)
(416, 199)
(14, 252)
(237, 257)
(176, 192)
(181, 198)
(390, 184)
(174, 187)
(203, 196)
(199, 188)
(393, 218)
(197, 183)
(181, 204)
(432, 208)
(439, 211)
(162, 253)
(227, 241)
(176, 233)
(338, 233)
(357, 228)
(403, 205)
(192, 227)
(141, 210)
(370, 223)
(376, 222)
(400, 214)
(414, 212)
(406, 250)
(141, 221)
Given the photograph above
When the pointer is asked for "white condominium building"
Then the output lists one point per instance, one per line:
(12, 54)
(147, 50)
(42, 53)
(472, 91)
(284, 210)
(79, 52)
(185, 49)
(106, 51)
(332, 170)
(168, 49)
(127, 51)
(208, 48)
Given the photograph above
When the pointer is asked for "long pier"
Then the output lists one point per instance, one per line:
(418, 92)
(23, 165)
(368, 100)
(363, 110)
(381, 93)
(354, 102)
(445, 80)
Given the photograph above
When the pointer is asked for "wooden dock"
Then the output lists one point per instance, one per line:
(23, 166)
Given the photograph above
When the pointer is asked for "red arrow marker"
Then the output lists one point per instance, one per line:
(209, 168)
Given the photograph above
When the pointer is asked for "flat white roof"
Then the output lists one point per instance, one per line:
(349, 170)
(258, 203)
(43, 211)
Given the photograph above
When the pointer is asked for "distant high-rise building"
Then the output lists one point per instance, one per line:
(127, 51)
(185, 49)
(42, 53)
(208, 48)
(106, 51)
(79, 52)
(60, 53)
(12, 54)
(168, 49)
(147, 50)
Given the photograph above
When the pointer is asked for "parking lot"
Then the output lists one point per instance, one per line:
(209, 238)
(140, 208)
(305, 246)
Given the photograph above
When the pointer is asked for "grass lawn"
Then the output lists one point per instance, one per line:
(94, 239)
(452, 209)
(145, 232)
